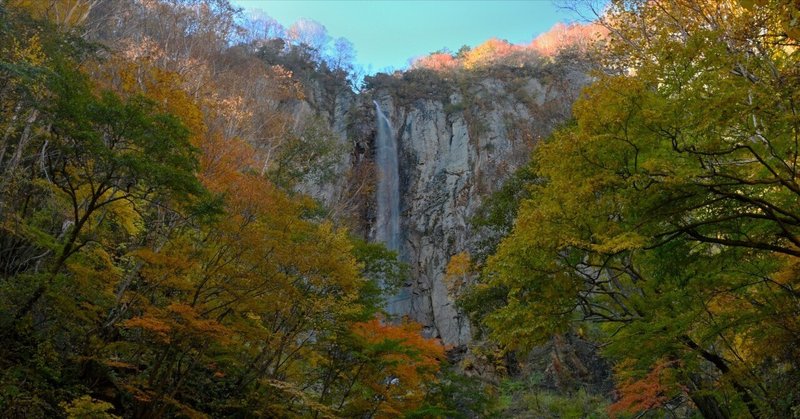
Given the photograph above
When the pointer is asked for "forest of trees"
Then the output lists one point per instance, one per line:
(663, 222)
(157, 259)
(154, 259)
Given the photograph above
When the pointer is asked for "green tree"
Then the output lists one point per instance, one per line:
(156, 258)
(667, 213)
(104, 150)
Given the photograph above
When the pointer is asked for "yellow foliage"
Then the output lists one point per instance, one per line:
(488, 53)
(86, 407)
(164, 87)
(65, 13)
(458, 269)
(31, 53)
(624, 241)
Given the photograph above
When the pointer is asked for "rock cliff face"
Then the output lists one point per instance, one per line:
(458, 140)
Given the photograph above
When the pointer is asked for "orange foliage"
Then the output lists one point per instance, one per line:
(402, 372)
(190, 320)
(436, 61)
(561, 36)
(495, 50)
(150, 324)
(222, 163)
(650, 392)
(178, 321)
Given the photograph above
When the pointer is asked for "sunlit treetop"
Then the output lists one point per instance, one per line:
(499, 51)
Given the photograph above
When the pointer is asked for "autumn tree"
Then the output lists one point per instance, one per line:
(158, 258)
(393, 369)
(665, 212)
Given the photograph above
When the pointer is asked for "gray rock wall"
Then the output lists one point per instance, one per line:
(453, 152)
(451, 157)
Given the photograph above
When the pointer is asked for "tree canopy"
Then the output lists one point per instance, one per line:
(662, 222)
(156, 259)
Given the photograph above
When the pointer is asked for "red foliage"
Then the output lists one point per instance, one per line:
(650, 392)
(437, 61)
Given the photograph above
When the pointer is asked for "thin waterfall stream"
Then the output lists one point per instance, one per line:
(388, 217)
(387, 221)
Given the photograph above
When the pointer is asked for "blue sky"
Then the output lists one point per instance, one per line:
(386, 33)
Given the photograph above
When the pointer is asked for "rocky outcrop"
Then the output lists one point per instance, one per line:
(458, 139)
(453, 153)
(332, 107)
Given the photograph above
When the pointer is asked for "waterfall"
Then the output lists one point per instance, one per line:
(387, 223)
(388, 218)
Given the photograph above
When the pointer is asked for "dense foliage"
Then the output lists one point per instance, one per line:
(155, 259)
(663, 222)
